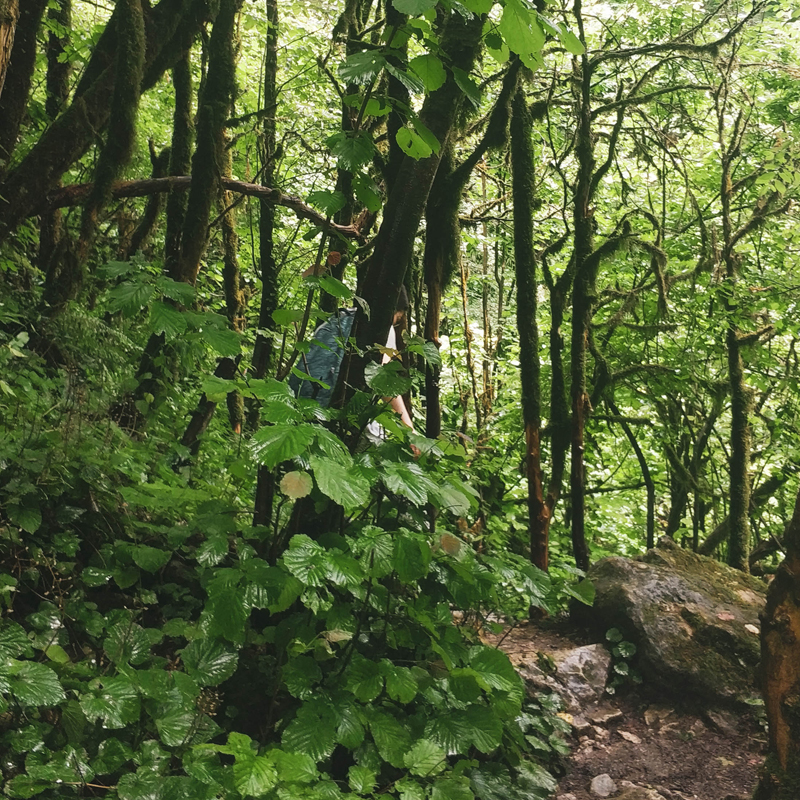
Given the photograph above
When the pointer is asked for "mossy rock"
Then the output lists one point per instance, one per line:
(694, 621)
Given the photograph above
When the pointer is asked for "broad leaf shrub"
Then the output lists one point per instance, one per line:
(154, 645)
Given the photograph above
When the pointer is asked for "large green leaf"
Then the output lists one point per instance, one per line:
(13, 639)
(363, 678)
(277, 443)
(485, 726)
(182, 293)
(494, 668)
(520, 28)
(387, 380)
(391, 738)
(116, 702)
(401, 685)
(209, 662)
(304, 559)
(166, 319)
(425, 758)
(344, 486)
(430, 70)
(408, 480)
(300, 675)
(414, 7)
(311, 732)
(456, 788)
(141, 785)
(412, 556)
(150, 559)
(452, 730)
(127, 642)
(412, 144)
(362, 67)
(254, 775)
(33, 684)
(224, 342)
(295, 767)
(353, 150)
(130, 297)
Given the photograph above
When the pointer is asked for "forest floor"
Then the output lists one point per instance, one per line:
(650, 740)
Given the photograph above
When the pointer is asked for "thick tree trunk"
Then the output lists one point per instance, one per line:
(16, 73)
(170, 28)
(527, 326)
(394, 243)
(780, 673)
(9, 14)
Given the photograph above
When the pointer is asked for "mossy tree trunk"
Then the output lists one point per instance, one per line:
(780, 673)
(522, 190)
(9, 14)
(394, 244)
(262, 352)
(20, 29)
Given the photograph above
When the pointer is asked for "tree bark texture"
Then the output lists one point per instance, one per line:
(170, 28)
(780, 673)
(394, 242)
(527, 328)
(16, 73)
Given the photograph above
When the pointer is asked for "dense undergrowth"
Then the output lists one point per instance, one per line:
(155, 644)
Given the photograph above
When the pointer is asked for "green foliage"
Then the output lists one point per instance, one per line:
(623, 654)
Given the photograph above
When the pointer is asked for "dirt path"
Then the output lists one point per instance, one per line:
(679, 750)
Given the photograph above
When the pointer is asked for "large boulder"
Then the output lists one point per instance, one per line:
(694, 621)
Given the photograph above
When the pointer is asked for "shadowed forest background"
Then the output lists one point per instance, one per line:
(210, 588)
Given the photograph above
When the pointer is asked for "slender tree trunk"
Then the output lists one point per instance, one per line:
(262, 353)
(582, 299)
(59, 70)
(780, 673)
(527, 326)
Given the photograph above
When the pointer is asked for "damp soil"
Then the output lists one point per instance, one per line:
(678, 748)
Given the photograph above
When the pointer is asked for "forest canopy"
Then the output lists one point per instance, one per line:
(214, 587)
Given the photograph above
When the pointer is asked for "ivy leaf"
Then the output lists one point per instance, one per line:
(425, 758)
(34, 684)
(430, 70)
(166, 319)
(362, 68)
(414, 7)
(254, 775)
(208, 662)
(277, 443)
(344, 486)
(296, 484)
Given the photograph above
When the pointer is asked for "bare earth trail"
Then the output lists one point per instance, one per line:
(637, 738)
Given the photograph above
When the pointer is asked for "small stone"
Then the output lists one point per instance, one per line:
(754, 629)
(603, 786)
(604, 715)
(581, 725)
(569, 796)
(630, 737)
(600, 733)
(657, 714)
(640, 793)
(722, 721)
